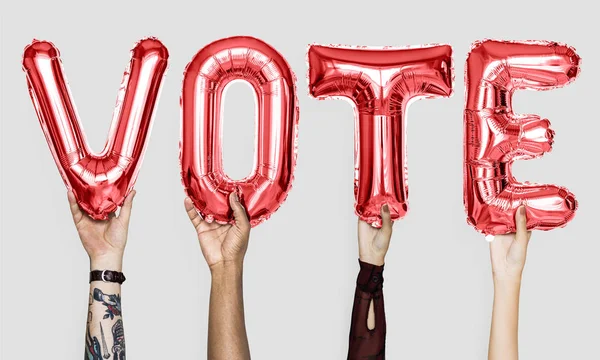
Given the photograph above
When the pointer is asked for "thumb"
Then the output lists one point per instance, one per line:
(239, 213)
(75, 209)
(522, 235)
(386, 221)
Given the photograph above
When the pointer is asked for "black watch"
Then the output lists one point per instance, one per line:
(107, 276)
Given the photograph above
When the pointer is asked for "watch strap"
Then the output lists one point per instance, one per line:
(107, 276)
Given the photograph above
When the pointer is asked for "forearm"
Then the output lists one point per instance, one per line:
(105, 337)
(227, 339)
(368, 326)
(505, 320)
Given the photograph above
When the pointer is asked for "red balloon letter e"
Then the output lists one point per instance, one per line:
(495, 137)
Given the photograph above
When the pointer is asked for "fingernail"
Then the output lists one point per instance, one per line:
(386, 208)
(235, 197)
(522, 211)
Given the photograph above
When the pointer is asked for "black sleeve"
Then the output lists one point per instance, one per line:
(368, 344)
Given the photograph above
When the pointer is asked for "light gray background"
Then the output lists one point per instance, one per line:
(301, 265)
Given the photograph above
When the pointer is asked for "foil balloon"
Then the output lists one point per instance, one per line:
(206, 77)
(100, 181)
(380, 84)
(495, 136)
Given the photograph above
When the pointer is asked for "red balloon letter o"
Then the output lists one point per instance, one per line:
(206, 76)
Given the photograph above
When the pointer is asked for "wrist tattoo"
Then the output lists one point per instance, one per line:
(112, 303)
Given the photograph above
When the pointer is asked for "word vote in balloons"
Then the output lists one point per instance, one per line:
(379, 83)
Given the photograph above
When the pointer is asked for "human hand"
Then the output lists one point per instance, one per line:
(222, 244)
(373, 243)
(508, 252)
(103, 240)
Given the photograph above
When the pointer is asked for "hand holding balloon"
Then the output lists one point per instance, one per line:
(103, 240)
(222, 244)
(373, 243)
(508, 252)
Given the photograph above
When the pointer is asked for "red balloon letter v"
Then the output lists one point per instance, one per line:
(101, 181)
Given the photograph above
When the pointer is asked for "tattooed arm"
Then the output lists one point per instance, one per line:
(104, 241)
(105, 337)
(224, 247)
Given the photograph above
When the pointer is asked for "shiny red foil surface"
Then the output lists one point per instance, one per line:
(101, 181)
(206, 77)
(380, 84)
(495, 136)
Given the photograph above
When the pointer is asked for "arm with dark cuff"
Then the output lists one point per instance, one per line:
(368, 327)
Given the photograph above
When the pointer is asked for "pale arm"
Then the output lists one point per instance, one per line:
(508, 254)
(504, 344)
